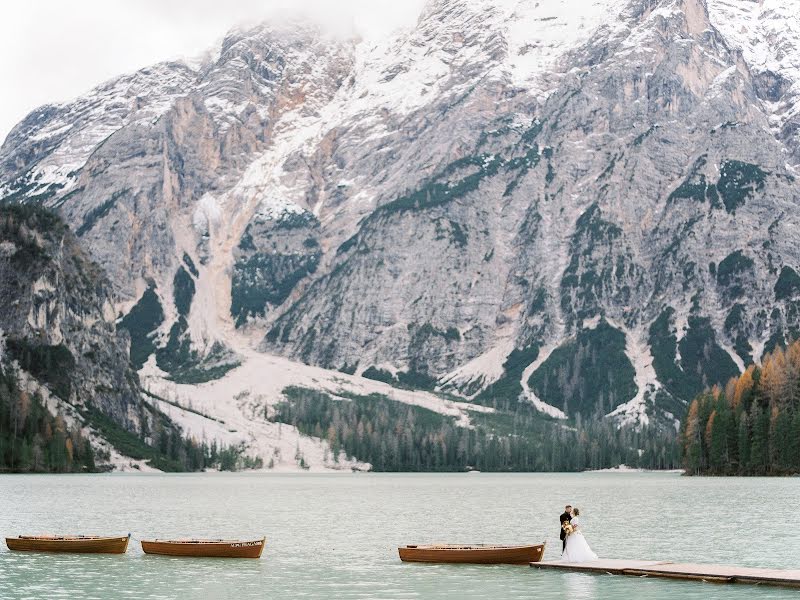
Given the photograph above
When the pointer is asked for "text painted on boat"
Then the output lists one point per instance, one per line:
(245, 544)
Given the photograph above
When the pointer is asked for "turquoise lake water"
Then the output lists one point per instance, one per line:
(336, 536)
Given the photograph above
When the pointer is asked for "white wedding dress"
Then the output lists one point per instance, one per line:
(577, 549)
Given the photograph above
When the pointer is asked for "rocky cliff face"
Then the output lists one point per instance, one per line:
(589, 208)
(58, 322)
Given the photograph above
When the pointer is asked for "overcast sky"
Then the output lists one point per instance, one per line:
(54, 50)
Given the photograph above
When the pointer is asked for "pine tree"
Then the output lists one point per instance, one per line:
(759, 447)
(794, 443)
(693, 440)
(719, 460)
(743, 390)
(744, 444)
(712, 440)
(780, 440)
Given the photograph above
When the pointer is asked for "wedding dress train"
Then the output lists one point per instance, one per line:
(577, 549)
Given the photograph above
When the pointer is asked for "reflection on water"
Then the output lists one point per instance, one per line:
(336, 536)
(581, 586)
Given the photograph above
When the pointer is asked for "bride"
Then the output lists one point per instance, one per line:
(577, 549)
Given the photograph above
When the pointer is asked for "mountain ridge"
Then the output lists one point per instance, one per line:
(613, 186)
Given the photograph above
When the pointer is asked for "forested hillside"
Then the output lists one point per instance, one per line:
(752, 427)
(32, 439)
(400, 437)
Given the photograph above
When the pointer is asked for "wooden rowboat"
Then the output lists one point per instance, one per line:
(482, 554)
(91, 544)
(211, 548)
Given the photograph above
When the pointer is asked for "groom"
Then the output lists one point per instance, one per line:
(564, 518)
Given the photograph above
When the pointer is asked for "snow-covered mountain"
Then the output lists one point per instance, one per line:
(586, 205)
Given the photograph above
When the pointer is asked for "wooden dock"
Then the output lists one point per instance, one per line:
(684, 571)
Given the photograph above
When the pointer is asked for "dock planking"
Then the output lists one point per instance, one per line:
(683, 571)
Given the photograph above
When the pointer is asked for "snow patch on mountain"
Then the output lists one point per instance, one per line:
(242, 424)
(232, 410)
(207, 214)
(767, 33)
(274, 207)
(734, 356)
(539, 33)
(484, 369)
(634, 411)
(529, 395)
(81, 125)
(758, 349)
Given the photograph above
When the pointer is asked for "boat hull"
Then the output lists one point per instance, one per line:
(205, 548)
(469, 554)
(76, 544)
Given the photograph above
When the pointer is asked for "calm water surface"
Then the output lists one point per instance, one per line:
(336, 536)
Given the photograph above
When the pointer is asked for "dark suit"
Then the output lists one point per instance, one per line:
(563, 534)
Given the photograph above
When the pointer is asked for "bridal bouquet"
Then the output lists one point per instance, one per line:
(567, 527)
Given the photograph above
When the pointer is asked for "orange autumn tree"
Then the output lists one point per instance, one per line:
(752, 427)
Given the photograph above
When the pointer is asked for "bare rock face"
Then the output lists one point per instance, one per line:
(588, 206)
(60, 327)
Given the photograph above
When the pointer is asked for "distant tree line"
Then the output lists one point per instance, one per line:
(394, 436)
(752, 426)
